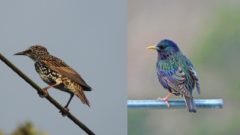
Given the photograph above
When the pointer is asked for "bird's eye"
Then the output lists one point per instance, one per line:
(162, 47)
(28, 51)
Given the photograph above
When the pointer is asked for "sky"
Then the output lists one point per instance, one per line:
(90, 36)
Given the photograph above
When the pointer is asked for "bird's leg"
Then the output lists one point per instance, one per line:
(71, 96)
(65, 110)
(44, 92)
(165, 99)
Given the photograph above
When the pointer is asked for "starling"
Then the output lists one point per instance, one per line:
(57, 74)
(176, 72)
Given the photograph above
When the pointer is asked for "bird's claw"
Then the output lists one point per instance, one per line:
(64, 111)
(165, 100)
(43, 93)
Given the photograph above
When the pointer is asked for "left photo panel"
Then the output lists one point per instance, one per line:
(63, 67)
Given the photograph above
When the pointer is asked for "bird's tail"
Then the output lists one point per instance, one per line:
(190, 104)
(82, 97)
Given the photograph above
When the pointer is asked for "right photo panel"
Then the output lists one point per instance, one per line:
(183, 62)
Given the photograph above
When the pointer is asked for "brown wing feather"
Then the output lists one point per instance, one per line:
(82, 97)
(59, 66)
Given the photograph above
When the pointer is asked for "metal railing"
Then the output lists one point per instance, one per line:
(175, 103)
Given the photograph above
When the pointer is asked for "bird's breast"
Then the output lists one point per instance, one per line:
(47, 75)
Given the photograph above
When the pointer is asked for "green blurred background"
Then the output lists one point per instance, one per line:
(208, 32)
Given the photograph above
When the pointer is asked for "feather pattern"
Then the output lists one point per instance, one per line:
(62, 68)
(176, 72)
(175, 76)
(57, 74)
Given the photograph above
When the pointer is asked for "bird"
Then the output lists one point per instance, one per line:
(56, 73)
(176, 73)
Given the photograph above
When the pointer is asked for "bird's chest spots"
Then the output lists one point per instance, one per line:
(46, 73)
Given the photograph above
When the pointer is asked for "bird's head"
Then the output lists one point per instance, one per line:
(34, 52)
(165, 48)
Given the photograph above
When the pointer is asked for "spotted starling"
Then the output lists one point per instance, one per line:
(176, 72)
(57, 74)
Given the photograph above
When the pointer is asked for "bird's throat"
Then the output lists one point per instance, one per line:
(163, 56)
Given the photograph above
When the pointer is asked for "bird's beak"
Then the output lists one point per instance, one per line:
(21, 53)
(152, 47)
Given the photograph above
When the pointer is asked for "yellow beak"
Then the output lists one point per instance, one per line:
(152, 47)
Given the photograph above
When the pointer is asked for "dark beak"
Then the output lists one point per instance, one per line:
(21, 53)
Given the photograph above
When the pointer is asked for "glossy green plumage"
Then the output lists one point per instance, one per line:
(176, 72)
(171, 65)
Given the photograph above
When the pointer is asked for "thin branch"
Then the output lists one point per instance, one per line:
(175, 103)
(48, 97)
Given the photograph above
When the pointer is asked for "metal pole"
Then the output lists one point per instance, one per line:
(175, 103)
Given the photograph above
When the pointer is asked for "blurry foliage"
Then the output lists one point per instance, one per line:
(220, 47)
(138, 123)
(26, 129)
(1, 133)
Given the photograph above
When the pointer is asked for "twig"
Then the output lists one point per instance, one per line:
(175, 103)
(48, 97)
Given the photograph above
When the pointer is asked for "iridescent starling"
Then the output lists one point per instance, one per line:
(176, 72)
(57, 74)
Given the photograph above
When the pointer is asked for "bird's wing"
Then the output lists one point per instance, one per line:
(62, 68)
(173, 76)
(193, 74)
(175, 79)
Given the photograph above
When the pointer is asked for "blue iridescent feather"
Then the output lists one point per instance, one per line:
(176, 72)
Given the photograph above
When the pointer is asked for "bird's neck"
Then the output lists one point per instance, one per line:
(164, 56)
(167, 55)
(39, 57)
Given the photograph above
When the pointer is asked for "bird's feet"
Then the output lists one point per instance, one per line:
(165, 100)
(64, 111)
(44, 93)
